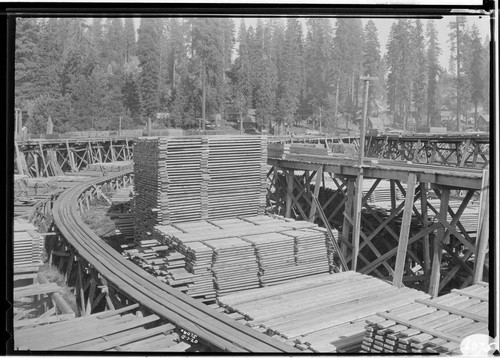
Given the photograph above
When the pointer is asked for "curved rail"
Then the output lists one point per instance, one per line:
(209, 325)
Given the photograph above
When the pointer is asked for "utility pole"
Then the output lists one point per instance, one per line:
(203, 98)
(120, 127)
(458, 75)
(359, 180)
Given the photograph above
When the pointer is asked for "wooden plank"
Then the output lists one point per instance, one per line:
(317, 186)
(437, 250)
(92, 333)
(449, 309)
(43, 320)
(129, 338)
(405, 232)
(422, 328)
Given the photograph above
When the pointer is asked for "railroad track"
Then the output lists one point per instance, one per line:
(209, 325)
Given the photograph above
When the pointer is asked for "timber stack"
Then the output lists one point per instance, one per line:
(28, 244)
(430, 325)
(193, 178)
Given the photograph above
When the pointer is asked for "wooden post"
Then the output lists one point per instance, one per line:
(317, 185)
(437, 250)
(357, 220)
(482, 227)
(405, 232)
(393, 194)
(43, 159)
(113, 156)
(425, 224)
(289, 193)
(346, 226)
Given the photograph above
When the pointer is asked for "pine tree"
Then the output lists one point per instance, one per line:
(149, 58)
(433, 71)
(419, 70)
(348, 54)
(475, 71)
(292, 80)
(457, 48)
(243, 73)
(372, 59)
(130, 38)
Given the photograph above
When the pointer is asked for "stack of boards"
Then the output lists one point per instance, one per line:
(228, 255)
(110, 167)
(436, 325)
(28, 244)
(193, 178)
(325, 313)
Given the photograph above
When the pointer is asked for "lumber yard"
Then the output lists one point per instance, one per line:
(252, 244)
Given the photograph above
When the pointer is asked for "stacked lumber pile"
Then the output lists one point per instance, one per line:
(275, 256)
(192, 178)
(110, 167)
(237, 172)
(241, 253)
(276, 150)
(124, 329)
(345, 149)
(234, 265)
(122, 195)
(323, 313)
(310, 254)
(28, 244)
(199, 264)
(36, 188)
(431, 325)
(183, 177)
(469, 216)
(148, 180)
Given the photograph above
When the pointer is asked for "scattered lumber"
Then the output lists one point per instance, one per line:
(430, 325)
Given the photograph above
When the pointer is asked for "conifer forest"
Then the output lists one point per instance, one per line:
(286, 72)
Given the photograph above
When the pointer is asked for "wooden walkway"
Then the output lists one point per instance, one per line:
(326, 313)
(430, 326)
(116, 330)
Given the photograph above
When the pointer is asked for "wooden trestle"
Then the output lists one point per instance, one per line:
(43, 158)
(459, 150)
(411, 235)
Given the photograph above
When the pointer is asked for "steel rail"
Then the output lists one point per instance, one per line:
(209, 325)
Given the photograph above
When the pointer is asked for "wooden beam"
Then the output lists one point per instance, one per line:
(317, 186)
(483, 225)
(289, 192)
(426, 246)
(357, 220)
(437, 250)
(405, 232)
(346, 227)
(330, 234)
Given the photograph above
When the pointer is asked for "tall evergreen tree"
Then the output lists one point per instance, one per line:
(418, 70)
(475, 71)
(372, 59)
(458, 48)
(130, 38)
(433, 71)
(348, 54)
(149, 57)
(291, 82)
